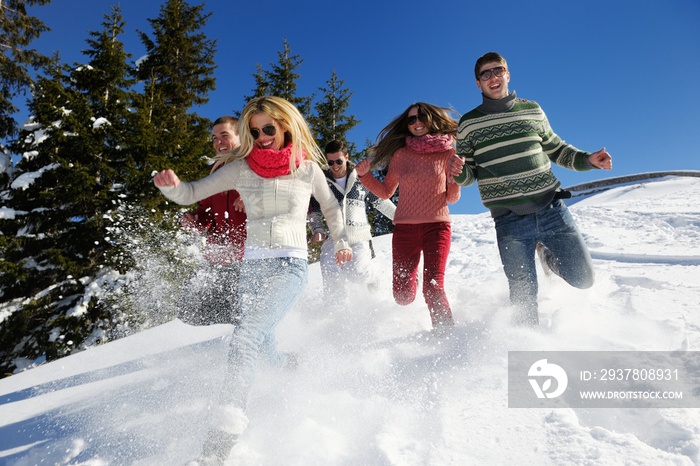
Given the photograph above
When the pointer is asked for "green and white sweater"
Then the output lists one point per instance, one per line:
(508, 147)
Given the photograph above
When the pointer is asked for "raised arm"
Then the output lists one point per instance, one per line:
(384, 189)
(601, 159)
(166, 178)
(184, 193)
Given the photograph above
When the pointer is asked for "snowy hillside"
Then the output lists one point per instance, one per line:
(375, 387)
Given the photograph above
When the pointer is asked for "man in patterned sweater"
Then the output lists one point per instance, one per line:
(507, 146)
(354, 200)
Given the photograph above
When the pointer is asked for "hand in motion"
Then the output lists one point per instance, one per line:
(166, 178)
(362, 168)
(318, 237)
(601, 159)
(343, 256)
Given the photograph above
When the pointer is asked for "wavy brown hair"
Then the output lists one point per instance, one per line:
(393, 136)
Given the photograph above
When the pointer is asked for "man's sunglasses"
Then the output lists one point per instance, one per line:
(338, 162)
(498, 71)
(270, 130)
(413, 118)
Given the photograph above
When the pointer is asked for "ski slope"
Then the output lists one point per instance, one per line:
(376, 387)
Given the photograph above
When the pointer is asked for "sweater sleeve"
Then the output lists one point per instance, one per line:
(385, 206)
(453, 192)
(315, 217)
(188, 193)
(561, 153)
(466, 151)
(384, 189)
(330, 208)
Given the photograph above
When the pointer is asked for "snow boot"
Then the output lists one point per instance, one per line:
(548, 261)
(231, 423)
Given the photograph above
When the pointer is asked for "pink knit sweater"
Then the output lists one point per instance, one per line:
(425, 191)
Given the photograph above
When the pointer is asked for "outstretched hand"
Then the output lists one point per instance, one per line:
(601, 159)
(166, 178)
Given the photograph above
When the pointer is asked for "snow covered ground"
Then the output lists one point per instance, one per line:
(376, 387)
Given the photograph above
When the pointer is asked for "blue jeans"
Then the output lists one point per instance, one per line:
(268, 289)
(517, 237)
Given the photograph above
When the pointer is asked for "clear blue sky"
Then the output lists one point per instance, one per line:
(615, 73)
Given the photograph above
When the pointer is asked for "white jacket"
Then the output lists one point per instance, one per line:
(276, 207)
(353, 201)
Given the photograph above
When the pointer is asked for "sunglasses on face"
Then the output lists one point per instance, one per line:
(497, 71)
(338, 162)
(414, 118)
(270, 130)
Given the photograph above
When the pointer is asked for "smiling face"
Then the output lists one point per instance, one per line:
(418, 128)
(495, 87)
(338, 170)
(224, 138)
(261, 120)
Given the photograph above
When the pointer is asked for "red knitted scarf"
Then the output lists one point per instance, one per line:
(429, 143)
(270, 163)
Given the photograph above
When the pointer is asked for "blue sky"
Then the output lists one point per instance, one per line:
(610, 73)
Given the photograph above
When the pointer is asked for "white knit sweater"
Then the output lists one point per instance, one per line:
(276, 207)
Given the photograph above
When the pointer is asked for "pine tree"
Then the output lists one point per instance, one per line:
(17, 31)
(330, 121)
(66, 185)
(261, 85)
(177, 74)
(281, 80)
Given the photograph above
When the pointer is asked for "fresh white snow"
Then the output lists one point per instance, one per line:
(375, 386)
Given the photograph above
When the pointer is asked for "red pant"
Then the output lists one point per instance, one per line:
(433, 240)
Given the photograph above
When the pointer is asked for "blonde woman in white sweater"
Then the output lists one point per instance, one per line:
(276, 170)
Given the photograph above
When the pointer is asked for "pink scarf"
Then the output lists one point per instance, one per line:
(270, 163)
(429, 143)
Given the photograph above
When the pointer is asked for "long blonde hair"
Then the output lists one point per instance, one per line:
(292, 122)
(393, 136)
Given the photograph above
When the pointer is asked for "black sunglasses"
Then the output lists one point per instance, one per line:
(270, 130)
(498, 71)
(413, 118)
(337, 162)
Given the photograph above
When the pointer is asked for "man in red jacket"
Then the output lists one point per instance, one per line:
(211, 295)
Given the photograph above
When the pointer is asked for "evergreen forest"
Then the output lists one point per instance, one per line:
(89, 250)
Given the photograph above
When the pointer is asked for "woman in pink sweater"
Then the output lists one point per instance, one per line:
(417, 146)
